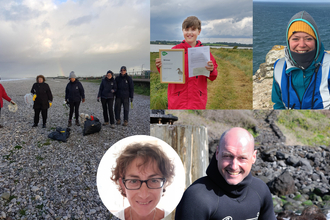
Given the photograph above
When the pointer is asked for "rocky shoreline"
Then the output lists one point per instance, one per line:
(45, 179)
(298, 176)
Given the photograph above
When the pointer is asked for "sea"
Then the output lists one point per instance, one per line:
(270, 21)
(4, 79)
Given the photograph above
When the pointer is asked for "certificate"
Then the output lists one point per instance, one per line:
(172, 69)
(197, 59)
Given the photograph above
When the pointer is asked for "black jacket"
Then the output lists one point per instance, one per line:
(44, 95)
(74, 91)
(105, 88)
(125, 87)
(211, 197)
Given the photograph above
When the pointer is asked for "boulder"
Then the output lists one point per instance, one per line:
(283, 185)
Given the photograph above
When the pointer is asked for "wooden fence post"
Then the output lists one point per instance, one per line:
(191, 144)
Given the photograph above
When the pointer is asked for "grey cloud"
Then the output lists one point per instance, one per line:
(82, 20)
(167, 16)
(45, 24)
(19, 13)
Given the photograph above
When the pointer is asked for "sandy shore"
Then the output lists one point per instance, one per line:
(46, 179)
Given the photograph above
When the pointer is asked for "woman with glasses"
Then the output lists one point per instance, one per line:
(142, 172)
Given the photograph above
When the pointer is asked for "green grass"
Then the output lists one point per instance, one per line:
(142, 88)
(231, 90)
(240, 58)
(310, 127)
(308, 203)
(39, 157)
(22, 212)
(158, 91)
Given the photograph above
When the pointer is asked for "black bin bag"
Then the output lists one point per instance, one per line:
(92, 126)
(61, 134)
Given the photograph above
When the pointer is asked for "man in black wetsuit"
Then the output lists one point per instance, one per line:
(229, 191)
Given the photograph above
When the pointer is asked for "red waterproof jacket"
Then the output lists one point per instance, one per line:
(192, 94)
(4, 95)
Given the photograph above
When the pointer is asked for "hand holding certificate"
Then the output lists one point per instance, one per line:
(197, 60)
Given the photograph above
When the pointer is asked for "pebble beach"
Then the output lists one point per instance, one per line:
(45, 179)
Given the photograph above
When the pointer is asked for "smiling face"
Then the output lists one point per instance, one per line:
(109, 75)
(144, 200)
(40, 80)
(301, 42)
(190, 35)
(236, 155)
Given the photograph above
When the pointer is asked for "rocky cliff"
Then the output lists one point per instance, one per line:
(263, 79)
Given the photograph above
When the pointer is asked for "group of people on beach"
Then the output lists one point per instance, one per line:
(120, 88)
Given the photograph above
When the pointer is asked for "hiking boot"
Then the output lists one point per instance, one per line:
(44, 126)
(69, 123)
(118, 122)
(125, 123)
(77, 123)
(105, 123)
(112, 126)
(34, 125)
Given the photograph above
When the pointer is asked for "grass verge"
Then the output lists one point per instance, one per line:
(309, 127)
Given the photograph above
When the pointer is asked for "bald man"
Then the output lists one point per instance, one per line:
(229, 191)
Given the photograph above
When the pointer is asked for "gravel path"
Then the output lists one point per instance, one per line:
(45, 179)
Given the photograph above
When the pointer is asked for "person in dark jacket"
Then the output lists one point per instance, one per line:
(3, 95)
(74, 94)
(125, 91)
(229, 191)
(107, 91)
(42, 100)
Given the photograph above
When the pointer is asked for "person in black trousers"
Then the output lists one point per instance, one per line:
(42, 100)
(125, 91)
(74, 94)
(107, 90)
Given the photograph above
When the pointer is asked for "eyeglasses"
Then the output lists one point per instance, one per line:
(134, 184)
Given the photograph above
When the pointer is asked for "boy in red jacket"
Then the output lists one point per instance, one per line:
(192, 94)
(3, 95)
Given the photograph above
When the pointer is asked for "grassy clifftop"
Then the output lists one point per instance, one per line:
(302, 127)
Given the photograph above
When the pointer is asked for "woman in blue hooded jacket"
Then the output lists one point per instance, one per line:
(301, 78)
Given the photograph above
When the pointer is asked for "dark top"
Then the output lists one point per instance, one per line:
(211, 197)
(105, 88)
(44, 95)
(125, 87)
(74, 91)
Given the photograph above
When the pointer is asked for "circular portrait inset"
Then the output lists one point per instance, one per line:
(140, 177)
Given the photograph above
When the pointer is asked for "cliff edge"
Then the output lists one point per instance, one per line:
(263, 79)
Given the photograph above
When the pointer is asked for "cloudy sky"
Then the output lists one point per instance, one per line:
(222, 20)
(308, 1)
(53, 37)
